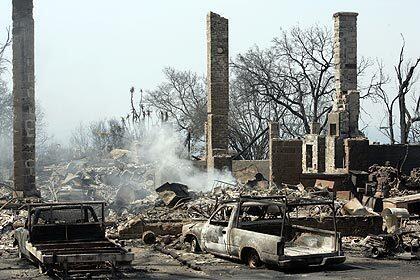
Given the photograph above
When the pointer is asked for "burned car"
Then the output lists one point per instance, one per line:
(68, 237)
(259, 230)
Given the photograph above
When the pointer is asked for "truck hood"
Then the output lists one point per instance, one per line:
(192, 228)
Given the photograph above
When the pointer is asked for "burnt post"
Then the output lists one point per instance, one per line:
(23, 99)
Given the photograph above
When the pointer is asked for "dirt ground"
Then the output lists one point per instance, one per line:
(151, 264)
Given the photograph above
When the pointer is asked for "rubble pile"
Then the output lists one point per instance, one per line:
(390, 183)
(397, 245)
(138, 209)
(9, 220)
(413, 181)
(117, 181)
(386, 178)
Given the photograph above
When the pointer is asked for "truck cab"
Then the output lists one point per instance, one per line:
(260, 230)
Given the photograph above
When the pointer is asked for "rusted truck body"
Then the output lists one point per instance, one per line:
(259, 230)
(67, 237)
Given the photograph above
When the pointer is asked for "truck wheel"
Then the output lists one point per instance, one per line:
(42, 269)
(254, 260)
(20, 255)
(195, 247)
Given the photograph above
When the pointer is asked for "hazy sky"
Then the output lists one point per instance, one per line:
(89, 53)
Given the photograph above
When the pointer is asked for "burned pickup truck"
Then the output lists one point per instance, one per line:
(259, 230)
(69, 237)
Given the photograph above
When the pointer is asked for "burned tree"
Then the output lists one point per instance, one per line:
(182, 97)
(6, 98)
(248, 121)
(295, 73)
(406, 77)
(379, 94)
(6, 114)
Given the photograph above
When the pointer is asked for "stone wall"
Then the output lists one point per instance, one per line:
(285, 161)
(346, 225)
(313, 153)
(334, 155)
(356, 153)
(23, 98)
(396, 155)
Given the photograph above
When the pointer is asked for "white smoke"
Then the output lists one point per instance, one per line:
(163, 146)
(6, 158)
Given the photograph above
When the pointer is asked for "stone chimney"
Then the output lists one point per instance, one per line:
(23, 99)
(346, 99)
(217, 92)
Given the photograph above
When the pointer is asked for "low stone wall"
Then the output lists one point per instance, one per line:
(346, 225)
(137, 226)
(396, 155)
(341, 181)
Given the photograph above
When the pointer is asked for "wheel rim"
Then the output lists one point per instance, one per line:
(375, 253)
(194, 245)
(253, 261)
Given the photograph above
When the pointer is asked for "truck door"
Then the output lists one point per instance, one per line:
(217, 231)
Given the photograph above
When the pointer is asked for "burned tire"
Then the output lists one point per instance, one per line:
(20, 255)
(253, 259)
(149, 237)
(194, 246)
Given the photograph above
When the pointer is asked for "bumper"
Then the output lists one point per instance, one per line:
(301, 262)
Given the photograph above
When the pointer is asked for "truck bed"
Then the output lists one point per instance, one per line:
(78, 252)
(305, 250)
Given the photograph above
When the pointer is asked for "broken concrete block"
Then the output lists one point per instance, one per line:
(173, 193)
(324, 184)
(119, 153)
(136, 227)
(354, 207)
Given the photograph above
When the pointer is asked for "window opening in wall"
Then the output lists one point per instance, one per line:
(333, 129)
(309, 156)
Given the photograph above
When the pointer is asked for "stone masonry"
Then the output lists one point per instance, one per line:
(345, 52)
(273, 135)
(23, 99)
(328, 153)
(345, 115)
(343, 121)
(217, 92)
(313, 149)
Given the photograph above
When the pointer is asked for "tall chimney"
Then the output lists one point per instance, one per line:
(345, 51)
(345, 61)
(217, 92)
(23, 99)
